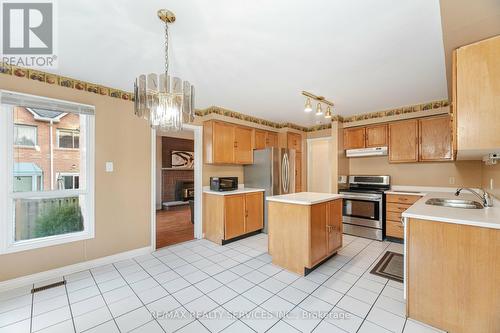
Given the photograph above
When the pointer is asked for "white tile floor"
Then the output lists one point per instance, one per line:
(199, 286)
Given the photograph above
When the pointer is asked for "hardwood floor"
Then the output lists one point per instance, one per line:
(173, 226)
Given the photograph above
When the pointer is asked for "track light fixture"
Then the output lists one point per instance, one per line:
(319, 109)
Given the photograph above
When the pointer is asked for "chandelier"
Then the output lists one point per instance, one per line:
(165, 101)
(319, 108)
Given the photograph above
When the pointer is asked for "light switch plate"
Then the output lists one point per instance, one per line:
(109, 167)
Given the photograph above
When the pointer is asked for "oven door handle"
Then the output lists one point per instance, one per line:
(365, 198)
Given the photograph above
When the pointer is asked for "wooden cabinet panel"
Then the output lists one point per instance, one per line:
(319, 248)
(298, 172)
(401, 198)
(260, 139)
(234, 216)
(394, 229)
(403, 141)
(243, 152)
(334, 226)
(376, 136)
(435, 139)
(478, 96)
(254, 203)
(393, 216)
(223, 143)
(294, 141)
(354, 138)
(396, 207)
(272, 140)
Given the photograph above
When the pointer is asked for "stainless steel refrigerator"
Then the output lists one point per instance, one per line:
(273, 169)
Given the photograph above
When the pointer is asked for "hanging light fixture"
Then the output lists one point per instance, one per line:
(328, 113)
(321, 100)
(319, 110)
(308, 107)
(165, 101)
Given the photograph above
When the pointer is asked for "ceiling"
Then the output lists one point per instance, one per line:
(255, 57)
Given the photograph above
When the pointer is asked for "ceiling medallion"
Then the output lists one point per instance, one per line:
(166, 102)
(319, 109)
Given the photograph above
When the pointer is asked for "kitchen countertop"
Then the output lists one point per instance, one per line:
(304, 198)
(488, 217)
(418, 190)
(241, 190)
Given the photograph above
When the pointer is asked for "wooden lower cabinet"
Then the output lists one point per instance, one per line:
(453, 276)
(302, 236)
(396, 204)
(230, 216)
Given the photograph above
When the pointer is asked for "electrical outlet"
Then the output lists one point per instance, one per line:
(492, 184)
(451, 180)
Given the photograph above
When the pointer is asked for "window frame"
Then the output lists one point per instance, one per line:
(36, 135)
(69, 174)
(8, 244)
(73, 131)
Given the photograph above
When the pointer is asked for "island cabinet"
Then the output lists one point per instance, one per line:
(302, 232)
(228, 217)
(453, 275)
(226, 143)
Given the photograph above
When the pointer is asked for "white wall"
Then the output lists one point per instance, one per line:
(319, 164)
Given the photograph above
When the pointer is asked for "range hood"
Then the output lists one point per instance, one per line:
(375, 151)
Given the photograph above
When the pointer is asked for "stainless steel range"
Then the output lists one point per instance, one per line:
(364, 206)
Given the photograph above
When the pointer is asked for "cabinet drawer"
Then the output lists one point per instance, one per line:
(393, 216)
(394, 229)
(397, 207)
(401, 198)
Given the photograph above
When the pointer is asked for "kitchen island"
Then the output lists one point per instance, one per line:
(305, 229)
(452, 266)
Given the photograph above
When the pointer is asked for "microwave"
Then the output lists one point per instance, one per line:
(221, 184)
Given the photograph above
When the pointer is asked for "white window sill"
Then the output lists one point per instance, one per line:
(32, 244)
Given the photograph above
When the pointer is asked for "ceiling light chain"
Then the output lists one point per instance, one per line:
(319, 109)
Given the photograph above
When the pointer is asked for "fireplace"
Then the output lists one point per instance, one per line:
(184, 190)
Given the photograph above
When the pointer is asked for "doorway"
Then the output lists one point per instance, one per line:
(319, 162)
(177, 186)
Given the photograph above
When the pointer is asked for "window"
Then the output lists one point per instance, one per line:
(40, 206)
(68, 139)
(66, 181)
(25, 135)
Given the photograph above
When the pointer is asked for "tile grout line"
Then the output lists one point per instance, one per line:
(69, 305)
(105, 302)
(320, 285)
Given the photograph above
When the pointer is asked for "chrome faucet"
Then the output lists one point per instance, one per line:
(485, 197)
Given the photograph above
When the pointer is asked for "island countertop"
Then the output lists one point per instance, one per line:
(488, 217)
(304, 198)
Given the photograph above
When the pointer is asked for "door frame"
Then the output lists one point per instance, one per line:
(330, 155)
(198, 182)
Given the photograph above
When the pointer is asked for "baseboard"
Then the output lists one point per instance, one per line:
(70, 269)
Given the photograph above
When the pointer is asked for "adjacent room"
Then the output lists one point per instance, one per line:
(272, 166)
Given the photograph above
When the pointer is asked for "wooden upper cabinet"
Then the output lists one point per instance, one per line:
(243, 152)
(319, 246)
(294, 141)
(376, 136)
(226, 143)
(234, 216)
(334, 225)
(354, 138)
(403, 141)
(223, 143)
(478, 98)
(272, 140)
(260, 139)
(435, 139)
(254, 203)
